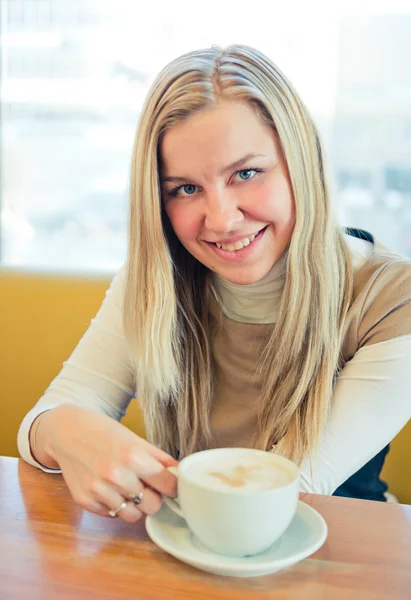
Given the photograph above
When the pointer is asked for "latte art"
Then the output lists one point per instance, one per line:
(245, 476)
(239, 475)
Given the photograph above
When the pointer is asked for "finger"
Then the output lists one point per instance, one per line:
(164, 482)
(127, 484)
(162, 457)
(110, 498)
(130, 513)
(104, 511)
(87, 503)
(150, 501)
(99, 509)
(90, 505)
(153, 473)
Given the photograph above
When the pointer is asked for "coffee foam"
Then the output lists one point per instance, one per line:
(242, 474)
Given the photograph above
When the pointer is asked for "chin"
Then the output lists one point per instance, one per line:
(246, 278)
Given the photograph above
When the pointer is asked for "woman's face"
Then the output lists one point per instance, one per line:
(227, 192)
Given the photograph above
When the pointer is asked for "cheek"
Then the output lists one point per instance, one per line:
(184, 220)
(274, 204)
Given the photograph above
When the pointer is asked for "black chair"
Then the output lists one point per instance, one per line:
(366, 484)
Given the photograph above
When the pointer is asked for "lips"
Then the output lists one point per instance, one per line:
(237, 245)
(241, 252)
(238, 238)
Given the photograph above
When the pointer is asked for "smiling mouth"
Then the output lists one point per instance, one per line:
(240, 244)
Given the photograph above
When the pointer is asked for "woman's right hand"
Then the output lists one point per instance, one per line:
(103, 463)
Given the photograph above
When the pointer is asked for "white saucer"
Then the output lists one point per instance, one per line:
(307, 532)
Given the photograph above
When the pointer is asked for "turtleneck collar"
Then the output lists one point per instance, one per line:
(260, 301)
(255, 303)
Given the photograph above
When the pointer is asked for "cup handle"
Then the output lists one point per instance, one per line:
(171, 503)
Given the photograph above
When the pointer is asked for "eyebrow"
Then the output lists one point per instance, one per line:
(229, 167)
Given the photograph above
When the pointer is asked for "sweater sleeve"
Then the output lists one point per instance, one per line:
(98, 375)
(371, 404)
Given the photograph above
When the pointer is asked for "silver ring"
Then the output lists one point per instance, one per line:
(114, 512)
(137, 498)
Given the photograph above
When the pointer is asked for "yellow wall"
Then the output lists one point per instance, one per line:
(41, 319)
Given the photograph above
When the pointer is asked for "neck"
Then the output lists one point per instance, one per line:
(255, 303)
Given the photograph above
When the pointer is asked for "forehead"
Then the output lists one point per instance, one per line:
(221, 134)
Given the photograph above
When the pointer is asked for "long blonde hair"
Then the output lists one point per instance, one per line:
(166, 317)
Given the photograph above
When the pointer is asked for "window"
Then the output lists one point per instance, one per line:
(75, 73)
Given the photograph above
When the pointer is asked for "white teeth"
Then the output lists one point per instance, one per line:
(238, 245)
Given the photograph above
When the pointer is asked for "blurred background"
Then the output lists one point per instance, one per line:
(74, 74)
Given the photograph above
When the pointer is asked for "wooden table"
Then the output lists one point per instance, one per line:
(51, 550)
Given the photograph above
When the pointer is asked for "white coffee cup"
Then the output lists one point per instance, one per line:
(237, 501)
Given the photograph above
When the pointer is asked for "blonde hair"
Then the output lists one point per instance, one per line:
(167, 292)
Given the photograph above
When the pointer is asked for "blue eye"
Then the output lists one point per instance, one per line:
(189, 189)
(246, 174)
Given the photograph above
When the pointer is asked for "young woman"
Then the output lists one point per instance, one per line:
(245, 315)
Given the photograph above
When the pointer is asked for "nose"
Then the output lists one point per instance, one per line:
(222, 213)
